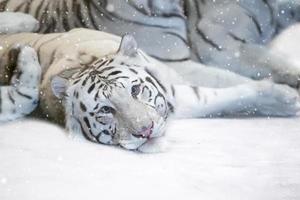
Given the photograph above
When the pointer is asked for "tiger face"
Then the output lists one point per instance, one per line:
(117, 100)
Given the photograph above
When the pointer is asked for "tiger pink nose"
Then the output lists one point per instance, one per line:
(146, 131)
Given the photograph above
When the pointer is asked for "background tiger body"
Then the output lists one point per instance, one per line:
(224, 34)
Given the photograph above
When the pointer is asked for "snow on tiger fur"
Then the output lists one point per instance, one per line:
(111, 92)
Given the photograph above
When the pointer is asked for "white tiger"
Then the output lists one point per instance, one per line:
(113, 93)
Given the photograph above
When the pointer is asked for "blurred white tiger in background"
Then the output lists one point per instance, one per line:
(224, 34)
(113, 93)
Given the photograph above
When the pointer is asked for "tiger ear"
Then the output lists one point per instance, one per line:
(59, 86)
(128, 46)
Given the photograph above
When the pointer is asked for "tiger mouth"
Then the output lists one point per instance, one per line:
(146, 134)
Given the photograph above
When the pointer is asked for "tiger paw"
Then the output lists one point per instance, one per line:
(16, 22)
(154, 145)
(276, 99)
(24, 89)
(289, 77)
(28, 71)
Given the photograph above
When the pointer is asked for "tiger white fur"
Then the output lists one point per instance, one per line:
(111, 92)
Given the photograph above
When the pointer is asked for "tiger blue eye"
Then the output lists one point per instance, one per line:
(135, 90)
(106, 109)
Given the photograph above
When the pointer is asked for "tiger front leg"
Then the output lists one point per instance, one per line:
(21, 97)
(258, 98)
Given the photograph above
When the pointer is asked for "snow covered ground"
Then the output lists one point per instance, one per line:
(207, 159)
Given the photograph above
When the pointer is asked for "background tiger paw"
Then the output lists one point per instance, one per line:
(276, 99)
(28, 71)
(14, 22)
(22, 96)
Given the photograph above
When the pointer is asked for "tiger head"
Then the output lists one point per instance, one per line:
(116, 100)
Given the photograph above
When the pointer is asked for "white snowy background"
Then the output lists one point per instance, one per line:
(234, 159)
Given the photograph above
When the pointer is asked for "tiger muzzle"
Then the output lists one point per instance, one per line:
(145, 132)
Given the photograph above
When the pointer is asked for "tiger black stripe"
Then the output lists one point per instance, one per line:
(146, 87)
(76, 81)
(83, 107)
(96, 96)
(96, 107)
(11, 98)
(92, 114)
(173, 90)
(114, 73)
(88, 136)
(27, 8)
(169, 60)
(207, 40)
(105, 132)
(23, 95)
(177, 35)
(109, 61)
(86, 13)
(64, 12)
(119, 77)
(58, 18)
(84, 81)
(171, 107)
(38, 10)
(44, 17)
(88, 5)
(87, 123)
(54, 24)
(159, 93)
(157, 81)
(79, 17)
(18, 75)
(102, 123)
(133, 70)
(256, 23)
(91, 88)
(237, 38)
(18, 8)
(196, 92)
(99, 63)
(76, 94)
(270, 10)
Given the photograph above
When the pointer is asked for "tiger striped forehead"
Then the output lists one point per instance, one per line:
(110, 72)
(100, 75)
